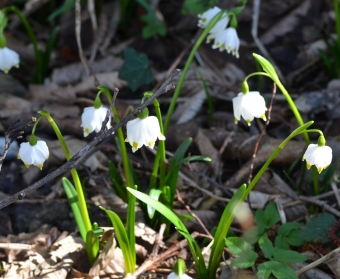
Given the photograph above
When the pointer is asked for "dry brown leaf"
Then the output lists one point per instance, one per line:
(75, 72)
(52, 92)
(287, 24)
(109, 80)
(207, 149)
(106, 255)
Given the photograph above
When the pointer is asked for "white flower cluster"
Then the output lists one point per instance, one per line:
(139, 131)
(224, 38)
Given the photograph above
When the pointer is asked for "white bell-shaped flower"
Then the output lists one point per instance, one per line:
(143, 132)
(219, 27)
(207, 16)
(227, 40)
(173, 275)
(33, 154)
(320, 156)
(248, 106)
(8, 59)
(92, 119)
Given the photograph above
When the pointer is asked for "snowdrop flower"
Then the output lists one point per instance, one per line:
(319, 155)
(227, 40)
(33, 154)
(207, 16)
(143, 132)
(92, 119)
(249, 105)
(8, 59)
(173, 275)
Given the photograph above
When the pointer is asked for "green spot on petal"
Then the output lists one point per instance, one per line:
(135, 145)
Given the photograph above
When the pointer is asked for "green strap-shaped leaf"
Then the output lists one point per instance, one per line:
(72, 197)
(222, 229)
(171, 216)
(122, 240)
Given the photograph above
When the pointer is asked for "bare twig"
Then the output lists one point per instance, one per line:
(193, 215)
(322, 204)
(78, 32)
(158, 242)
(154, 262)
(11, 135)
(255, 22)
(71, 163)
(318, 262)
(91, 9)
(261, 135)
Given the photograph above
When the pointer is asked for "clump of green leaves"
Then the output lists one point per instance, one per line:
(153, 25)
(278, 256)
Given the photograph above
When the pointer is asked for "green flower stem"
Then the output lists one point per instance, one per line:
(161, 146)
(38, 57)
(126, 166)
(128, 174)
(76, 180)
(296, 132)
(300, 122)
(36, 124)
(211, 24)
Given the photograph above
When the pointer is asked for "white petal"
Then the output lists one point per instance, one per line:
(207, 16)
(93, 118)
(8, 59)
(172, 275)
(221, 24)
(248, 106)
(237, 105)
(143, 132)
(33, 155)
(320, 156)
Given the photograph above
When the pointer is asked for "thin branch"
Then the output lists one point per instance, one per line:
(71, 163)
(78, 32)
(261, 135)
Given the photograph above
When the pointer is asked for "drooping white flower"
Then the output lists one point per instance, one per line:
(143, 132)
(173, 275)
(207, 16)
(33, 154)
(227, 40)
(320, 156)
(8, 59)
(248, 106)
(92, 119)
(219, 27)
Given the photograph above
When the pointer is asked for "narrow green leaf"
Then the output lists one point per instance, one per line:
(222, 229)
(288, 256)
(171, 216)
(92, 244)
(154, 193)
(267, 247)
(72, 197)
(267, 67)
(130, 224)
(122, 240)
(117, 182)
